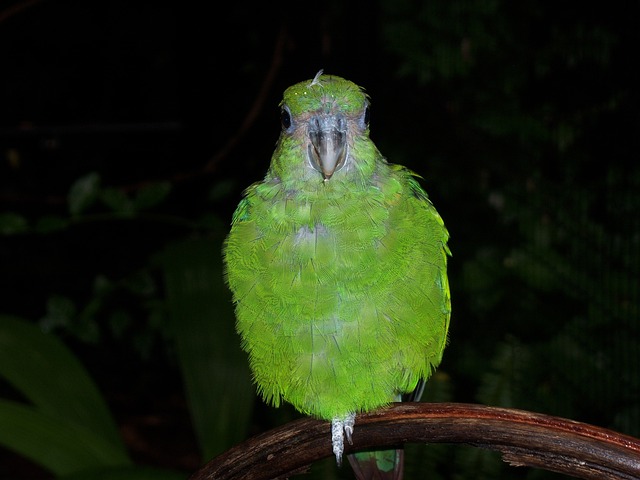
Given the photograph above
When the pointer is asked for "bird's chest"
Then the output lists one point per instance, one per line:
(328, 236)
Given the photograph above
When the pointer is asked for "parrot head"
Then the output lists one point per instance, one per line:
(321, 119)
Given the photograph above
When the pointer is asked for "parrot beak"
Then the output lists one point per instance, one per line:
(328, 147)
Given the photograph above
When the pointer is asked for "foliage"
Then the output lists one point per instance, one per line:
(215, 371)
(66, 426)
(551, 274)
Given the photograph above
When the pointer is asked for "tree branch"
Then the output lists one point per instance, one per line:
(524, 439)
(16, 8)
(253, 113)
(208, 168)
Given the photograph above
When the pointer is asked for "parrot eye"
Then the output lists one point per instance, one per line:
(285, 118)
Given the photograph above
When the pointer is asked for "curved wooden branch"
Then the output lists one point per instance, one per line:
(524, 439)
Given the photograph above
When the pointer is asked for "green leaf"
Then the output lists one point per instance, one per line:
(50, 441)
(117, 201)
(51, 223)
(502, 381)
(140, 283)
(83, 193)
(12, 223)
(212, 222)
(42, 368)
(221, 190)
(214, 368)
(102, 286)
(119, 322)
(61, 312)
(150, 195)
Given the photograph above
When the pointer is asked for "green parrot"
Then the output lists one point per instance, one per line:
(337, 264)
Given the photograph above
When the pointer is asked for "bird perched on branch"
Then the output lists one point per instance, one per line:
(337, 264)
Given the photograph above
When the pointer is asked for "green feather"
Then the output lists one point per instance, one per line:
(339, 279)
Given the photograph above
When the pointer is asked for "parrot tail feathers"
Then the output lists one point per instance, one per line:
(378, 465)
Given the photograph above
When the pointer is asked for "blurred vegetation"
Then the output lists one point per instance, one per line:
(119, 174)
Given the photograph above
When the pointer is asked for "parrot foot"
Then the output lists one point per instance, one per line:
(341, 427)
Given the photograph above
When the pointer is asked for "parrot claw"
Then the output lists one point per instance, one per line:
(349, 421)
(341, 427)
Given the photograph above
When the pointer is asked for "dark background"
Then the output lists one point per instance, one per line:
(522, 117)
